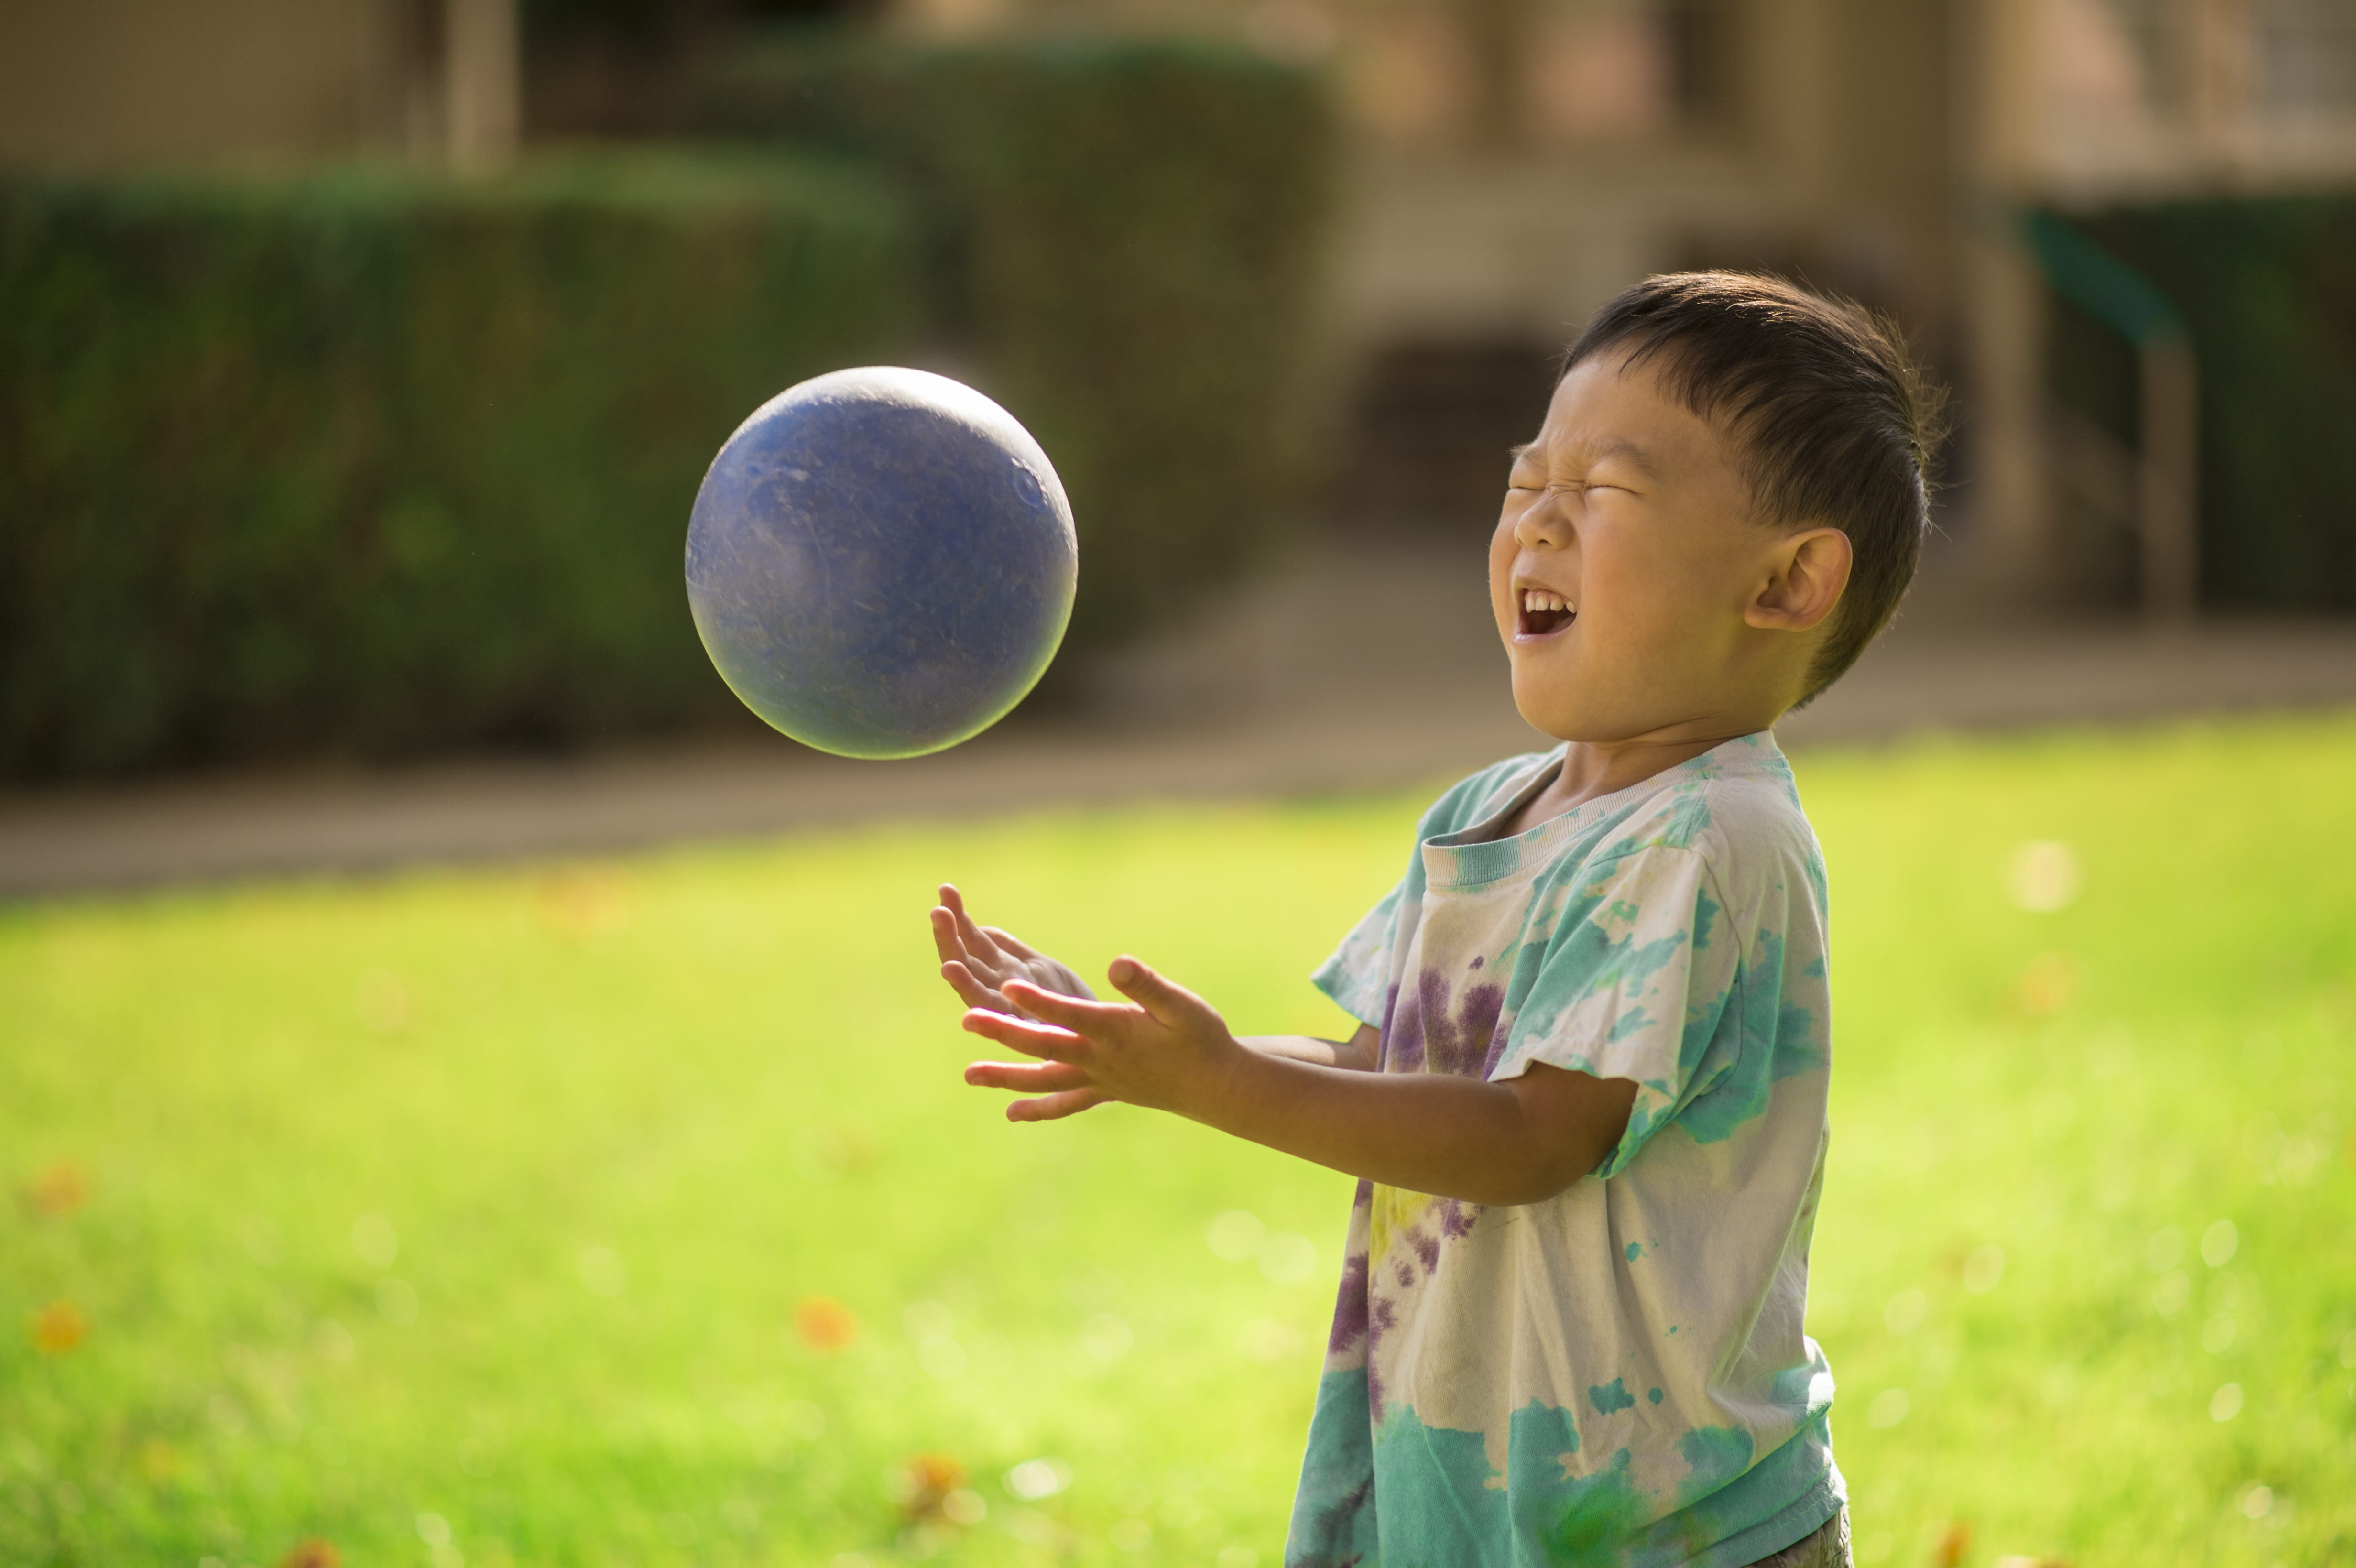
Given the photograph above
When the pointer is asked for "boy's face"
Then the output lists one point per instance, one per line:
(1624, 561)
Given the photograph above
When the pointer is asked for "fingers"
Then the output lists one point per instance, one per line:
(969, 990)
(1027, 1077)
(1055, 1007)
(1030, 1038)
(1010, 943)
(977, 942)
(1164, 1001)
(946, 941)
(1054, 1107)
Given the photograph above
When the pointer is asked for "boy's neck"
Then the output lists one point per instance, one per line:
(1593, 769)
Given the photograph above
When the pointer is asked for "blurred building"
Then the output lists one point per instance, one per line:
(1510, 163)
(1513, 162)
(114, 84)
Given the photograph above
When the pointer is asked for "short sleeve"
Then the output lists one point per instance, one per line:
(1635, 982)
(1358, 975)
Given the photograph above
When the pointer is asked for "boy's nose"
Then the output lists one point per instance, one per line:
(1542, 525)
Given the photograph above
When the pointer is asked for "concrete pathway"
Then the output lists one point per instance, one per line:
(1347, 672)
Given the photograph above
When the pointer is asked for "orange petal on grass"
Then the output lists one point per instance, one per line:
(312, 1554)
(1954, 1546)
(58, 1327)
(825, 1324)
(59, 1190)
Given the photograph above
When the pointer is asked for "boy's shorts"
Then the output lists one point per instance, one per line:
(1828, 1548)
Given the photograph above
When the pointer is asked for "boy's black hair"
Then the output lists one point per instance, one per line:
(1836, 423)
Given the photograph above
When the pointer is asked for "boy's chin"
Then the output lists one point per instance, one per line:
(1553, 713)
(1560, 720)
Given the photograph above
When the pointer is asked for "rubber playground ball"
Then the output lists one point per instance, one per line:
(880, 562)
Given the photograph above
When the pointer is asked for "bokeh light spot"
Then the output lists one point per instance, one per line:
(1234, 1235)
(1106, 1337)
(1036, 1479)
(396, 1301)
(2044, 877)
(602, 1272)
(1287, 1259)
(1984, 1269)
(1266, 1339)
(381, 1001)
(375, 1240)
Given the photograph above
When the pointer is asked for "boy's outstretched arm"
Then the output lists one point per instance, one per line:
(1516, 1142)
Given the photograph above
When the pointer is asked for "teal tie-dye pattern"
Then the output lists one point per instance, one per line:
(1479, 1404)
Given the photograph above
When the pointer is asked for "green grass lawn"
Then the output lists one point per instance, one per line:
(473, 1216)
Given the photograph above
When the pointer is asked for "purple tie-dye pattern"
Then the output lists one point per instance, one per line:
(1423, 1033)
(1457, 1218)
(1380, 1321)
(1427, 1248)
(1349, 1308)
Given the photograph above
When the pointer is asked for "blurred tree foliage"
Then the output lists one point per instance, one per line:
(370, 463)
(1125, 238)
(2268, 287)
(373, 463)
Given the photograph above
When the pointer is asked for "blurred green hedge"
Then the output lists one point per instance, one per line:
(370, 464)
(1126, 238)
(2268, 289)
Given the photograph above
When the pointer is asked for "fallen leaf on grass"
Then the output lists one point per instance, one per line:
(825, 1324)
(58, 1327)
(931, 1488)
(59, 1190)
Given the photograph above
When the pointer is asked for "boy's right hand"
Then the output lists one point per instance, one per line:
(978, 960)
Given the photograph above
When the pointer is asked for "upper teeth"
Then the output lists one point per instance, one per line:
(1539, 599)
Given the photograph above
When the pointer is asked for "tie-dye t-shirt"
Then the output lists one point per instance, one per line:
(1616, 1375)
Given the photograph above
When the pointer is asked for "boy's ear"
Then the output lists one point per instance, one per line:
(1806, 576)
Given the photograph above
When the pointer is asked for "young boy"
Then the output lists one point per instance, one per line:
(1586, 1097)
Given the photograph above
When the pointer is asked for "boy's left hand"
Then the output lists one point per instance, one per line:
(1166, 1049)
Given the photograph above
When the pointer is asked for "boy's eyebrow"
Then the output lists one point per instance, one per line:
(1618, 446)
(1629, 452)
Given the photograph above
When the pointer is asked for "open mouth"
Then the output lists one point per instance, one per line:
(1545, 614)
